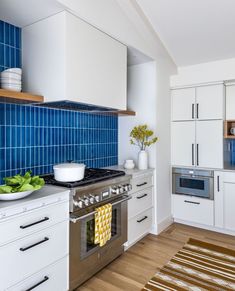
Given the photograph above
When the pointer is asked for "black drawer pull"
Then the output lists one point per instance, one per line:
(39, 283)
(142, 219)
(139, 185)
(139, 197)
(192, 202)
(34, 245)
(37, 222)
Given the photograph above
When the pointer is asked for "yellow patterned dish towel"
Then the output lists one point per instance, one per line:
(103, 220)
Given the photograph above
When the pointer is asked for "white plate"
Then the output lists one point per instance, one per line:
(15, 196)
(17, 89)
(13, 70)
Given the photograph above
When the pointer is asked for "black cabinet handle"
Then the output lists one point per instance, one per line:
(33, 223)
(142, 219)
(39, 283)
(197, 154)
(192, 202)
(34, 245)
(140, 197)
(218, 184)
(193, 154)
(197, 110)
(193, 111)
(139, 185)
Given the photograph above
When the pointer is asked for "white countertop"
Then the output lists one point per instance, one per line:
(45, 196)
(134, 172)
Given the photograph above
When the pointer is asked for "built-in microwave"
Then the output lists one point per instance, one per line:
(193, 182)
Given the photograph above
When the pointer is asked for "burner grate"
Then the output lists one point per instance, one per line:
(92, 175)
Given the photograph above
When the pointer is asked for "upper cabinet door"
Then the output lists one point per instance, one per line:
(230, 102)
(183, 104)
(183, 143)
(210, 102)
(209, 144)
(65, 58)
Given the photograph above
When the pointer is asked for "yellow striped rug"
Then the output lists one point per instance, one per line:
(197, 266)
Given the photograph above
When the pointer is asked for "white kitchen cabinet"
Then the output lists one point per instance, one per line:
(230, 101)
(183, 104)
(225, 200)
(198, 143)
(198, 103)
(193, 209)
(34, 241)
(183, 143)
(140, 207)
(65, 58)
(210, 102)
(209, 143)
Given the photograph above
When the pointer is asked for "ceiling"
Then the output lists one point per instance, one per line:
(193, 31)
(28, 11)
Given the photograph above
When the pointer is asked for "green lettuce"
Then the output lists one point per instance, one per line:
(22, 183)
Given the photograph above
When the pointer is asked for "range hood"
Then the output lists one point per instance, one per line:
(7, 96)
(84, 107)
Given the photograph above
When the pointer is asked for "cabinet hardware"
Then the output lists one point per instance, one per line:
(139, 197)
(192, 202)
(139, 185)
(193, 154)
(37, 284)
(193, 111)
(197, 154)
(34, 245)
(218, 184)
(197, 110)
(37, 222)
(142, 219)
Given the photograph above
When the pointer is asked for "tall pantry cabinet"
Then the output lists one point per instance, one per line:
(197, 126)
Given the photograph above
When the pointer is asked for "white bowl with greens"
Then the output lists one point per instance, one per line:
(19, 186)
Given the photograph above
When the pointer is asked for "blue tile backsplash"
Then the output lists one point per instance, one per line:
(10, 46)
(36, 138)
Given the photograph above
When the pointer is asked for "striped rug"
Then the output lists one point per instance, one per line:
(197, 266)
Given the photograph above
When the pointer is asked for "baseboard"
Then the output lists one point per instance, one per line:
(158, 228)
(207, 227)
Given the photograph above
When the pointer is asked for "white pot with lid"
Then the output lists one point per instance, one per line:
(69, 172)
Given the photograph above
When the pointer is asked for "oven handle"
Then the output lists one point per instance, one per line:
(74, 220)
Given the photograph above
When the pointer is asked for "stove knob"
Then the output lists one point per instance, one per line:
(114, 190)
(129, 187)
(97, 198)
(85, 200)
(78, 203)
(91, 198)
(121, 189)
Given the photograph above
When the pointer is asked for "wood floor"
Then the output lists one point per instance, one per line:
(136, 266)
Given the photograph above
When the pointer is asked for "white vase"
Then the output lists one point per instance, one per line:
(143, 160)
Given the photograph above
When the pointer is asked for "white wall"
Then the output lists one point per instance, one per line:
(205, 72)
(141, 84)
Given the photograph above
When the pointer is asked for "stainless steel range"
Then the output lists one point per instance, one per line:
(97, 188)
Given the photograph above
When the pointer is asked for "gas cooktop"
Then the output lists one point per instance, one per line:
(92, 175)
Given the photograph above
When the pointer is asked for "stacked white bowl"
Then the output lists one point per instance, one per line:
(11, 79)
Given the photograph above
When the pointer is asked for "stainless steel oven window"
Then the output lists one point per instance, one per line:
(88, 246)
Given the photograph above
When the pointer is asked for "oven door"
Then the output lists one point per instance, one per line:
(198, 186)
(86, 257)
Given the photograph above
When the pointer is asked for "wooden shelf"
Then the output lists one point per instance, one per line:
(126, 113)
(20, 96)
(228, 124)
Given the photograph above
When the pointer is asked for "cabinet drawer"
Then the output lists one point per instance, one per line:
(20, 226)
(140, 201)
(139, 225)
(54, 277)
(29, 255)
(193, 209)
(141, 183)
